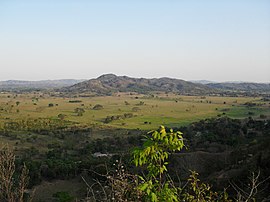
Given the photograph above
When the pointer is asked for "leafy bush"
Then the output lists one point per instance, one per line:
(63, 197)
(50, 105)
(98, 107)
(157, 184)
(74, 101)
(154, 155)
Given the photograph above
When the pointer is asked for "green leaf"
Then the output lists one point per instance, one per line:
(153, 197)
(143, 186)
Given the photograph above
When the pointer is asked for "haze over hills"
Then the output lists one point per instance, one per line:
(43, 84)
(245, 86)
(110, 83)
(202, 81)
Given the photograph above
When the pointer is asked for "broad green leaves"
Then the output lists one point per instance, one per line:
(154, 155)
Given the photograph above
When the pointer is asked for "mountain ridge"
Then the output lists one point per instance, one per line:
(107, 84)
(42, 84)
(110, 83)
(243, 86)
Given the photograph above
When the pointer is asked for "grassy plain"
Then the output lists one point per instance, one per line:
(148, 112)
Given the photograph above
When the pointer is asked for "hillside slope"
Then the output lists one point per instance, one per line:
(263, 87)
(110, 83)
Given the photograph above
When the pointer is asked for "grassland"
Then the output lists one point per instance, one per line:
(145, 112)
(148, 112)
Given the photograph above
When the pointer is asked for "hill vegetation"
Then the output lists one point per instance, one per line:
(224, 151)
(251, 87)
(71, 139)
(110, 83)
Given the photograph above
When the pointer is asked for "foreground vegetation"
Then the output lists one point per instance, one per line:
(63, 141)
(153, 184)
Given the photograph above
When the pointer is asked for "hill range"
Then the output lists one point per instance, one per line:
(245, 86)
(109, 83)
(43, 84)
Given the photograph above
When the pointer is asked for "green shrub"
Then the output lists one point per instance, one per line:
(98, 107)
(50, 105)
(63, 196)
(154, 155)
(157, 185)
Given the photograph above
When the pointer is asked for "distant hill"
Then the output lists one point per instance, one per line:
(110, 83)
(247, 87)
(201, 81)
(44, 84)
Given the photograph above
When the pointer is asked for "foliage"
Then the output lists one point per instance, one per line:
(50, 105)
(154, 155)
(79, 111)
(35, 125)
(98, 107)
(156, 185)
(12, 188)
(74, 101)
(123, 184)
(195, 191)
(61, 116)
(63, 197)
(109, 119)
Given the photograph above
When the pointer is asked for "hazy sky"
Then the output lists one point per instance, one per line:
(218, 40)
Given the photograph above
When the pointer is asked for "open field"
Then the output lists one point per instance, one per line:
(58, 136)
(143, 112)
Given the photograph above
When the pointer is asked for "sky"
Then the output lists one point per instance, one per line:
(224, 40)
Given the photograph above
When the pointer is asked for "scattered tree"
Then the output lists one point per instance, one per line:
(61, 116)
(50, 105)
(79, 111)
(98, 107)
